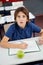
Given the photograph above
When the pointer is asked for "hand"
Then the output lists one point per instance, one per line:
(23, 46)
(0, 45)
(40, 41)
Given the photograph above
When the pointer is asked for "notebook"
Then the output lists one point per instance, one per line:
(32, 46)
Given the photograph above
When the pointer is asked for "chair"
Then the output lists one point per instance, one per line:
(1, 31)
(6, 26)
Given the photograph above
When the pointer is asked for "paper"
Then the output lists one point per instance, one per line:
(12, 7)
(1, 8)
(31, 16)
(2, 20)
(9, 18)
(32, 46)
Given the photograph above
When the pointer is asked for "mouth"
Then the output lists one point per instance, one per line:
(21, 22)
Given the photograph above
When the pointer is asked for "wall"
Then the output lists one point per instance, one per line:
(35, 6)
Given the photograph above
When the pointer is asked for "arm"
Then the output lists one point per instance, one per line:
(4, 43)
(41, 33)
(37, 29)
(41, 37)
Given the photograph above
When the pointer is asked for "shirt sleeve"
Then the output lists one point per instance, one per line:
(35, 28)
(9, 32)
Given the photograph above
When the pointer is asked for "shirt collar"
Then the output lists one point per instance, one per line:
(19, 28)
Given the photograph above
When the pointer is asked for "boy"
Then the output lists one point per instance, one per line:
(22, 28)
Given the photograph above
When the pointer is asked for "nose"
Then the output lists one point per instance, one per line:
(21, 17)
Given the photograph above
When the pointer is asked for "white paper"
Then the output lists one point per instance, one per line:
(17, 3)
(12, 7)
(31, 16)
(1, 8)
(32, 46)
(9, 18)
(2, 20)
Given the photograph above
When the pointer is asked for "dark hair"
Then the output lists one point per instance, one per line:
(21, 9)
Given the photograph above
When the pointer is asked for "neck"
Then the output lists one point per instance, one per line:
(23, 26)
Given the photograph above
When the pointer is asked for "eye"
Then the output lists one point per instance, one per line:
(23, 16)
(18, 16)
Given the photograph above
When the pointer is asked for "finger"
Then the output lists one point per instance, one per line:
(26, 44)
(40, 42)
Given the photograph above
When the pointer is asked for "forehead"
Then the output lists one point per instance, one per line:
(21, 13)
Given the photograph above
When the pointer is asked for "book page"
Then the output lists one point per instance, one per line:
(32, 46)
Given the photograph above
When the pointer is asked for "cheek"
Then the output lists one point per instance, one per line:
(17, 20)
(26, 20)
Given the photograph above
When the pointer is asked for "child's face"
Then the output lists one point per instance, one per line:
(21, 19)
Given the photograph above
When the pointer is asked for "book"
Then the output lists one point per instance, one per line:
(32, 46)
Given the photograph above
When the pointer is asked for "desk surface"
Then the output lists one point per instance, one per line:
(5, 59)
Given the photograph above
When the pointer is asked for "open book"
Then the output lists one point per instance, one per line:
(32, 46)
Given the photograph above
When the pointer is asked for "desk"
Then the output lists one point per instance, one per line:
(1, 8)
(5, 59)
(1, 31)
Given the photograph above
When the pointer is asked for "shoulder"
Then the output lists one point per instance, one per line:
(10, 30)
(12, 26)
(30, 23)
